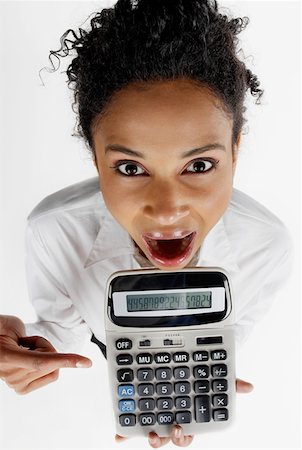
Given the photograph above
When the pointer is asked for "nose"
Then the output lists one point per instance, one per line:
(165, 204)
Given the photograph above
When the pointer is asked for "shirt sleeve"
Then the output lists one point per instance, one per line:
(277, 270)
(58, 320)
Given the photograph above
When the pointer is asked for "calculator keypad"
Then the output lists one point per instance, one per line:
(178, 387)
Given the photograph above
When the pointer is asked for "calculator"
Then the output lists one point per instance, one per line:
(170, 350)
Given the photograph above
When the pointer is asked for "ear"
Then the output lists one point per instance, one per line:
(235, 152)
(94, 159)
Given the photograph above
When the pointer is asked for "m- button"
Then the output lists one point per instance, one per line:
(123, 344)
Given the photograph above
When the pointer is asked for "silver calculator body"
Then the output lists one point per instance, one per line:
(171, 350)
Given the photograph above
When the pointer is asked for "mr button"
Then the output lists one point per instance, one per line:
(123, 344)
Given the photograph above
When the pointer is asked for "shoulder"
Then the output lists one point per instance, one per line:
(63, 216)
(79, 195)
(253, 228)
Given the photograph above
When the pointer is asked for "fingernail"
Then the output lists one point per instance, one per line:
(152, 440)
(83, 364)
(178, 433)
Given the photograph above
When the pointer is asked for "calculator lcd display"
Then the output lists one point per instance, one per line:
(171, 301)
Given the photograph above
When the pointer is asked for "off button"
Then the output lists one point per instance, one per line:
(123, 344)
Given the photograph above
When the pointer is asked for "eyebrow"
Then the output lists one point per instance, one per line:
(194, 151)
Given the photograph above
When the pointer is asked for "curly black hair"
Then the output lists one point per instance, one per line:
(144, 41)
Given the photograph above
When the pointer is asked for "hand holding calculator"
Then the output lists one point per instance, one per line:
(170, 350)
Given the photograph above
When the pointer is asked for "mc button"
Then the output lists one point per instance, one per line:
(123, 344)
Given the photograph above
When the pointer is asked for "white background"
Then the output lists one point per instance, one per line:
(39, 156)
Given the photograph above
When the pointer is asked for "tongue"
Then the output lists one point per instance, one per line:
(170, 248)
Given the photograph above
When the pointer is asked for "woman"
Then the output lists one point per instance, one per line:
(160, 94)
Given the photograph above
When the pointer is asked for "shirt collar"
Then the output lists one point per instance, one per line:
(113, 241)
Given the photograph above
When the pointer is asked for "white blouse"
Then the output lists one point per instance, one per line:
(73, 244)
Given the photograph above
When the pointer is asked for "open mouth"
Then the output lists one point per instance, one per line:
(170, 252)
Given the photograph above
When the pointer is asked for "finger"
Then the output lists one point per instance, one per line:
(42, 381)
(178, 437)
(243, 387)
(119, 438)
(155, 441)
(43, 360)
(35, 342)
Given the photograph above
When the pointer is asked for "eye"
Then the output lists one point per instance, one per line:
(202, 166)
(129, 169)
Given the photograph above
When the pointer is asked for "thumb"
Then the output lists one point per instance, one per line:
(243, 387)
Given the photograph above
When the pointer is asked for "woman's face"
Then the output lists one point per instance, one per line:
(166, 166)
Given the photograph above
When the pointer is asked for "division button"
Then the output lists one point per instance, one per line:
(183, 417)
(202, 408)
(220, 385)
(127, 420)
(220, 414)
(123, 344)
(124, 360)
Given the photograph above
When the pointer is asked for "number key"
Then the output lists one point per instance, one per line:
(145, 374)
(146, 404)
(182, 402)
(164, 389)
(164, 403)
(145, 390)
(181, 373)
(163, 373)
(182, 387)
